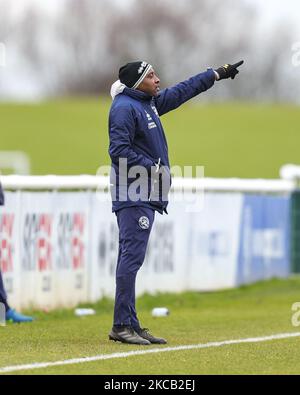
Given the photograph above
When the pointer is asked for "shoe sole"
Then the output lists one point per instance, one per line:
(115, 339)
(157, 342)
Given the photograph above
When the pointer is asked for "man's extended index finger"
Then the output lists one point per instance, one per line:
(238, 64)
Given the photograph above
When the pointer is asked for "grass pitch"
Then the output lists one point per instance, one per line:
(262, 309)
(232, 140)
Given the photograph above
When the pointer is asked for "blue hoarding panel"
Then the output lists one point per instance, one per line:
(264, 238)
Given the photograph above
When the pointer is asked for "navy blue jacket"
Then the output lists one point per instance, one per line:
(136, 133)
(1, 196)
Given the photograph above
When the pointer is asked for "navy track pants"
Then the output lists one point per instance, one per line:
(3, 297)
(135, 224)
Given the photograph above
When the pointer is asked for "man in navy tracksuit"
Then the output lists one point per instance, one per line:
(11, 315)
(140, 176)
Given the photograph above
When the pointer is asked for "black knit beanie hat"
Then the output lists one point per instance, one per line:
(132, 74)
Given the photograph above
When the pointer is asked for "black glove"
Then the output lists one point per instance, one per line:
(160, 183)
(229, 70)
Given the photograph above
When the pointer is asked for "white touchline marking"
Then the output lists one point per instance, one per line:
(40, 365)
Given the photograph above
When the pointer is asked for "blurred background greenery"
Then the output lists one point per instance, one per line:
(58, 59)
(230, 140)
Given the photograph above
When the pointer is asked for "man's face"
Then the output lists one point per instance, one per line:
(150, 84)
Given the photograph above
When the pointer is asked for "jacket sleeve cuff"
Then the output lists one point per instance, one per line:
(212, 74)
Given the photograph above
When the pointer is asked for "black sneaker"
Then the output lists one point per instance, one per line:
(127, 335)
(145, 334)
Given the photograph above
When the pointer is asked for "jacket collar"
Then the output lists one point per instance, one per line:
(135, 94)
